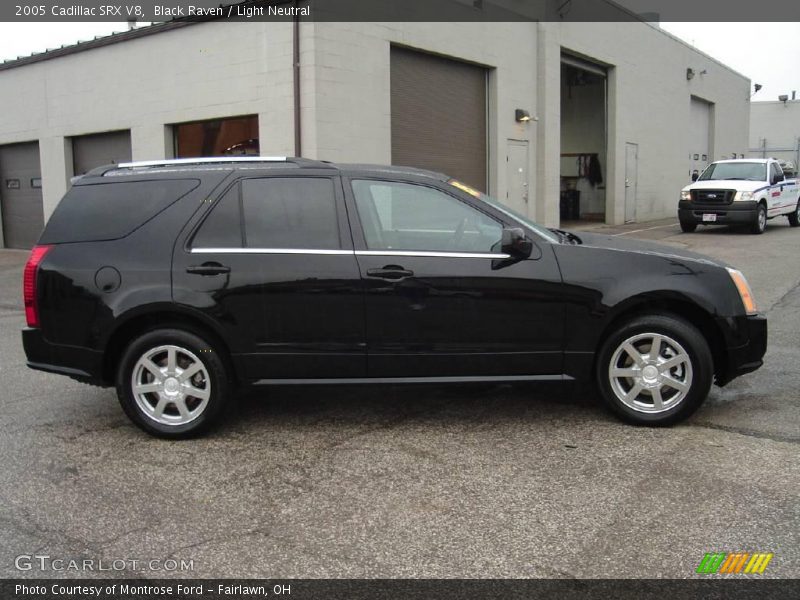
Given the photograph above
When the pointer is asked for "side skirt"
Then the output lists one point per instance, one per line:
(389, 380)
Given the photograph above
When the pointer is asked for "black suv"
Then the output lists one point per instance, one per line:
(177, 281)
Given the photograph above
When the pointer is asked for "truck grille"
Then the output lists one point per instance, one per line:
(713, 196)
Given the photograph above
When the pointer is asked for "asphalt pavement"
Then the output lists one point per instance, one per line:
(481, 481)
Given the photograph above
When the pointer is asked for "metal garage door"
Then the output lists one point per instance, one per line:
(700, 134)
(439, 115)
(90, 151)
(21, 195)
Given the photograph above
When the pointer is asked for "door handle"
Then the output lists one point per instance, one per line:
(208, 268)
(392, 272)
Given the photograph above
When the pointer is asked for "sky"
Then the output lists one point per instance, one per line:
(767, 53)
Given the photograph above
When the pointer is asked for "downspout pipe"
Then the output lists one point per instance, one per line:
(298, 147)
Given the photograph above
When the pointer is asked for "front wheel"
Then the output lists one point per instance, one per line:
(172, 383)
(760, 224)
(688, 227)
(655, 370)
(794, 218)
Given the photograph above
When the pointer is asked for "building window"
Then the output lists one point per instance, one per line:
(234, 136)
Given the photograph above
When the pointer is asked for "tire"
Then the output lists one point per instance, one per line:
(634, 398)
(794, 218)
(167, 408)
(688, 227)
(759, 225)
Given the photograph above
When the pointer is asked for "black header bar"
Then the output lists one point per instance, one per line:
(402, 10)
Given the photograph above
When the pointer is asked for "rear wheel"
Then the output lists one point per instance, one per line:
(760, 223)
(655, 370)
(794, 218)
(172, 383)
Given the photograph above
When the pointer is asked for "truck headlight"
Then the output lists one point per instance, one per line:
(745, 293)
(685, 195)
(743, 196)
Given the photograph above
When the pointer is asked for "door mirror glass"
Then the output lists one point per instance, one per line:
(515, 243)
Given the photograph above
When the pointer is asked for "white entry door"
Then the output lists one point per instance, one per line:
(631, 172)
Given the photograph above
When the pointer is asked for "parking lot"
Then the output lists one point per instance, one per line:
(487, 481)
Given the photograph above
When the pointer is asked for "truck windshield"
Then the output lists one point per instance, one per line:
(751, 171)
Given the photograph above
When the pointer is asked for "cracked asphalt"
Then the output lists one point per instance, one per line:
(474, 482)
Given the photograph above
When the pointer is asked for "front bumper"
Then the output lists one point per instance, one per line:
(747, 357)
(735, 213)
(79, 363)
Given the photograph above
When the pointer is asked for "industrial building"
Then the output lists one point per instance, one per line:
(775, 129)
(560, 120)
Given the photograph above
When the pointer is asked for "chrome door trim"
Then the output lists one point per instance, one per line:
(411, 253)
(430, 254)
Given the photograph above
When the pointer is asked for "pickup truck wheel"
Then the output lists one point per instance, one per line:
(760, 224)
(687, 227)
(655, 370)
(172, 383)
(794, 218)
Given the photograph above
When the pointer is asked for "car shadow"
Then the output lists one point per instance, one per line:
(385, 404)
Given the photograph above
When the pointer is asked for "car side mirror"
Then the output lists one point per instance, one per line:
(776, 179)
(515, 243)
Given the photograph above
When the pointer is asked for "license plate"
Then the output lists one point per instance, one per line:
(709, 218)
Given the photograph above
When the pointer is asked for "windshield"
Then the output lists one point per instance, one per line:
(751, 171)
(523, 220)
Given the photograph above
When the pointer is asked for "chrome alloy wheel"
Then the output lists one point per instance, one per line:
(650, 373)
(170, 385)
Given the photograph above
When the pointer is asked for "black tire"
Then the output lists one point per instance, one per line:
(688, 227)
(759, 225)
(212, 377)
(697, 370)
(794, 218)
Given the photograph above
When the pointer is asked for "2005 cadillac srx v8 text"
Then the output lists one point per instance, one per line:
(181, 281)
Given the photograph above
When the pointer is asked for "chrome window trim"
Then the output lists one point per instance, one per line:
(269, 251)
(323, 252)
(431, 254)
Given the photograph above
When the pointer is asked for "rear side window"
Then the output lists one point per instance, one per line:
(109, 211)
(276, 212)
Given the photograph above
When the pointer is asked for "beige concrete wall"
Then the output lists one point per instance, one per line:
(779, 124)
(350, 67)
(199, 72)
(226, 69)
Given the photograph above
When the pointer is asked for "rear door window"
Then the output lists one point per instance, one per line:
(274, 213)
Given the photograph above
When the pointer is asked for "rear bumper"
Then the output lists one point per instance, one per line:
(748, 357)
(735, 213)
(82, 364)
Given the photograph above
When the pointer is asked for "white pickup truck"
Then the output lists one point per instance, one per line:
(745, 191)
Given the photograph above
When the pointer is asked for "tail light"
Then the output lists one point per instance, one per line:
(29, 284)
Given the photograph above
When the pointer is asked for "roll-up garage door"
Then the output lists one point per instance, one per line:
(439, 115)
(700, 134)
(21, 195)
(95, 150)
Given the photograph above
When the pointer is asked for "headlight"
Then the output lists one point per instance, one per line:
(686, 195)
(743, 196)
(745, 293)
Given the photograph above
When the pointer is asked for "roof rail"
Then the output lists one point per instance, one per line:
(202, 161)
(208, 160)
